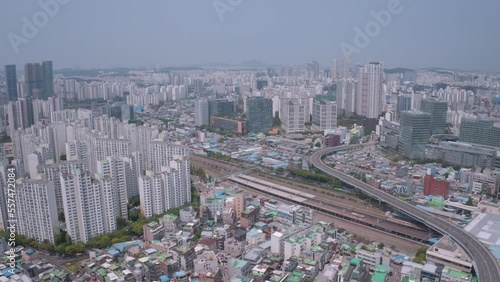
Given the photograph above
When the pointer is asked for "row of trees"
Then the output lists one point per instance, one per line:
(222, 157)
(199, 172)
(127, 230)
(318, 177)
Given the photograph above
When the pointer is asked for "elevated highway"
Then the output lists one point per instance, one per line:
(485, 264)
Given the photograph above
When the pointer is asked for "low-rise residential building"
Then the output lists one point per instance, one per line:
(153, 231)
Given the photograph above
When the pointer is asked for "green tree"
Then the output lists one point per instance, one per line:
(420, 256)
(62, 238)
(60, 216)
(134, 215)
(121, 222)
(469, 202)
(60, 249)
(46, 246)
(74, 249)
(137, 228)
(276, 119)
(135, 201)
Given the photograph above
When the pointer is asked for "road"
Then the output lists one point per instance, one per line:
(485, 264)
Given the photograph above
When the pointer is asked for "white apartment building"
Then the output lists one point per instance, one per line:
(201, 113)
(369, 92)
(36, 210)
(346, 96)
(114, 167)
(324, 115)
(83, 205)
(170, 188)
(51, 171)
(151, 193)
(293, 116)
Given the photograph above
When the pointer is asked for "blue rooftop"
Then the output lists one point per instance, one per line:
(180, 274)
(433, 240)
(113, 252)
(121, 246)
(280, 165)
(7, 272)
(164, 278)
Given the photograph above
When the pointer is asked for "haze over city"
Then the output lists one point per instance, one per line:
(249, 141)
(102, 34)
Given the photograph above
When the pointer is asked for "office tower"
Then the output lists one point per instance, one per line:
(229, 125)
(324, 114)
(83, 205)
(198, 86)
(335, 74)
(344, 69)
(127, 113)
(221, 108)
(480, 131)
(33, 78)
(36, 210)
(11, 82)
(48, 79)
(438, 110)
(201, 116)
(261, 84)
(414, 134)
(416, 101)
(315, 69)
(369, 96)
(259, 114)
(404, 104)
(293, 116)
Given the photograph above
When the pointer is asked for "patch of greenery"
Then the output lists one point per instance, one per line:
(199, 172)
(420, 256)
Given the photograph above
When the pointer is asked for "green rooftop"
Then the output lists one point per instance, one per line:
(170, 216)
(355, 261)
(243, 279)
(296, 276)
(239, 263)
(456, 273)
(380, 273)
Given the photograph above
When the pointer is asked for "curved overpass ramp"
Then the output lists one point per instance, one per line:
(485, 264)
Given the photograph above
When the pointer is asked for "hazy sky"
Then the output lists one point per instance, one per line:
(94, 33)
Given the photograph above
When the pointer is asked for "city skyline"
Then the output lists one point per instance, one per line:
(142, 36)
